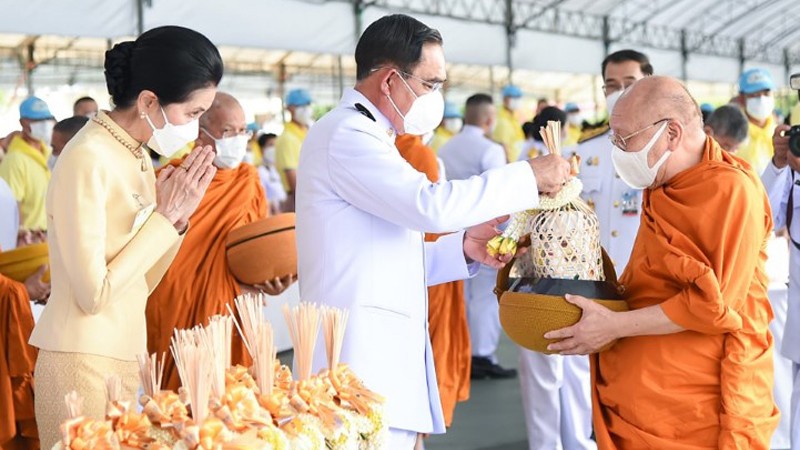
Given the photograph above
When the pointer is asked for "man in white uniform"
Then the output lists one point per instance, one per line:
(361, 211)
(467, 154)
(556, 389)
(782, 181)
(9, 218)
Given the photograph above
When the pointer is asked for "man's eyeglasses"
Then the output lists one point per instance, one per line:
(226, 133)
(430, 85)
(622, 142)
(611, 87)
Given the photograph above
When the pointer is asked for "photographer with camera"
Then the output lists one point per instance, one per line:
(782, 182)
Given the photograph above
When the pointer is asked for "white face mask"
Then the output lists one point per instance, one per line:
(425, 113)
(168, 140)
(514, 103)
(51, 162)
(632, 166)
(761, 107)
(611, 101)
(304, 115)
(453, 124)
(230, 151)
(42, 130)
(268, 155)
(575, 120)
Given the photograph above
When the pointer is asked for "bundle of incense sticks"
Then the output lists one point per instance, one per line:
(303, 321)
(551, 135)
(113, 388)
(216, 337)
(194, 362)
(334, 322)
(151, 373)
(259, 339)
(74, 404)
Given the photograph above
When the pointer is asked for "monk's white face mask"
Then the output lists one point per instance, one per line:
(632, 166)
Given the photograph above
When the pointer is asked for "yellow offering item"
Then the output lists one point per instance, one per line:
(21, 263)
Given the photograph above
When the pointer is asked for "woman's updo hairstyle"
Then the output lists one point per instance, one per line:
(171, 61)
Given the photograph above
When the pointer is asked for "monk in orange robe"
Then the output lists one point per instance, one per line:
(17, 420)
(692, 367)
(199, 284)
(447, 314)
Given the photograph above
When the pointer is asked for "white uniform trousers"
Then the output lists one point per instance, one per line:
(782, 389)
(795, 413)
(556, 398)
(483, 313)
(777, 269)
(400, 439)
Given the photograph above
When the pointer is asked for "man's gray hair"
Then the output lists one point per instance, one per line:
(729, 121)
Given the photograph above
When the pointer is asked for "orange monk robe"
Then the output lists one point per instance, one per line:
(447, 315)
(700, 254)
(199, 284)
(17, 359)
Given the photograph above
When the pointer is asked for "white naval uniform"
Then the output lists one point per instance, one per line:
(9, 218)
(361, 214)
(465, 155)
(785, 327)
(556, 390)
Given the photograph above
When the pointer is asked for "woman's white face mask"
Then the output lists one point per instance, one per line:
(166, 141)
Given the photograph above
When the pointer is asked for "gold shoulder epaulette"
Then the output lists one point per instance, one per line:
(591, 133)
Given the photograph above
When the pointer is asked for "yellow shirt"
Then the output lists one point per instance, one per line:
(25, 170)
(440, 137)
(758, 149)
(573, 135)
(508, 133)
(287, 150)
(794, 118)
(103, 262)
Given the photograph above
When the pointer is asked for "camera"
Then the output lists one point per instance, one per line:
(794, 133)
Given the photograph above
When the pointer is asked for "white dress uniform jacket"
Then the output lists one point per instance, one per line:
(361, 211)
(779, 183)
(617, 205)
(9, 218)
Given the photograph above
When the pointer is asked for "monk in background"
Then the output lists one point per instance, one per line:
(692, 368)
(199, 284)
(447, 314)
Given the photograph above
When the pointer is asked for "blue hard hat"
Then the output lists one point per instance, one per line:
(451, 111)
(512, 91)
(298, 97)
(253, 126)
(755, 80)
(571, 107)
(34, 108)
(707, 107)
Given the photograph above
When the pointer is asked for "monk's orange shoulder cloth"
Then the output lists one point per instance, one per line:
(700, 255)
(17, 360)
(447, 314)
(199, 284)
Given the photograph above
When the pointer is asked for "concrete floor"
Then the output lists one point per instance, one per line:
(492, 418)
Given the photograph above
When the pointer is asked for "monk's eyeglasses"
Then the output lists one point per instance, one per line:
(622, 142)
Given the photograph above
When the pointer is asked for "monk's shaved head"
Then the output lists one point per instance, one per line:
(223, 102)
(655, 98)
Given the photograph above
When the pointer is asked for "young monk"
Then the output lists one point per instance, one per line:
(692, 367)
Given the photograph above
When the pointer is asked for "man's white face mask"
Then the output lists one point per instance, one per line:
(611, 101)
(230, 151)
(43, 130)
(760, 107)
(425, 113)
(632, 166)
